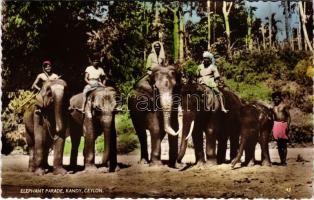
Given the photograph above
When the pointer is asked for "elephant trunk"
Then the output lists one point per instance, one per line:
(188, 126)
(166, 104)
(60, 126)
(106, 123)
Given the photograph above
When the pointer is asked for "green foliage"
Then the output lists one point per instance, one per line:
(68, 146)
(258, 91)
(190, 69)
(127, 139)
(12, 129)
(35, 30)
(303, 71)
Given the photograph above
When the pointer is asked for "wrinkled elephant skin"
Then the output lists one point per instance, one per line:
(47, 127)
(99, 118)
(155, 109)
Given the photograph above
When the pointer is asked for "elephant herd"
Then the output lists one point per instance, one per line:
(154, 108)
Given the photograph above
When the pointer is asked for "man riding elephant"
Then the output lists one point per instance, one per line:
(210, 76)
(46, 75)
(157, 55)
(94, 77)
(155, 58)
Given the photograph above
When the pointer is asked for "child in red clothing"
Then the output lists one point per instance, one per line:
(281, 125)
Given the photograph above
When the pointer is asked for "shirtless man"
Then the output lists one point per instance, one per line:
(44, 76)
(281, 125)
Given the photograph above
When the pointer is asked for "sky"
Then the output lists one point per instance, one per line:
(263, 10)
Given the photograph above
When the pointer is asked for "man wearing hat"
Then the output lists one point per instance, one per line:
(157, 55)
(44, 76)
(210, 76)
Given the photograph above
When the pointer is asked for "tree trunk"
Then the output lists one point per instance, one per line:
(181, 35)
(176, 36)
(299, 37)
(287, 22)
(263, 35)
(208, 25)
(249, 21)
(226, 7)
(270, 32)
(307, 42)
(214, 25)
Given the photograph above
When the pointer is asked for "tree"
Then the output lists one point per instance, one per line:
(249, 37)
(175, 32)
(287, 13)
(208, 25)
(302, 8)
(226, 11)
(34, 31)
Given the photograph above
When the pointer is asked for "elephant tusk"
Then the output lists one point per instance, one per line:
(180, 124)
(171, 131)
(191, 130)
(179, 131)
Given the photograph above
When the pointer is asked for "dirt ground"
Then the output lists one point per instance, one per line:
(133, 180)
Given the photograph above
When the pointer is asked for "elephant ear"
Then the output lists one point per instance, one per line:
(44, 96)
(40, 100)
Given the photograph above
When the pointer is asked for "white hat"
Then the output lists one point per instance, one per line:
(207, 54)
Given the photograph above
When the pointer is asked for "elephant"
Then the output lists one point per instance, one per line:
(256, 125)
(46, 126)
(99, 117)
(154, 107)
(216, 124)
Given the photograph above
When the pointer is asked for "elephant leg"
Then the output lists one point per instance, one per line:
(210, 146)
(46, 154)
(234, 143)
(154, 129)
(113, 149)
(140, 129)
(173, 140)
(30, 144)
(75, 142)
(265, 158)
(249, 153)
(221, 151)
(58, 155)
(39, 135)
(173, 150)
(198, 141)
(31, 167)
(107, 138)
(89, 147)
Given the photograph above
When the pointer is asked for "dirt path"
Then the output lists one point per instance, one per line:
(291, 181)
